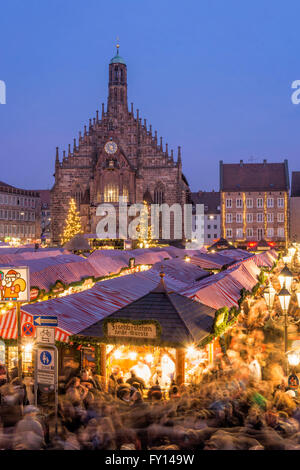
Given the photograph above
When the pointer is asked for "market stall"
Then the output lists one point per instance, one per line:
(156, 336)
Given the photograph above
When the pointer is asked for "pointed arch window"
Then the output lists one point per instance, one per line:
(159, 194)
(77, 196)
(125, 195)
(111, 193)
(116, 73)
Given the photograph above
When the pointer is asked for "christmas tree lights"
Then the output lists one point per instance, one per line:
(73, 224)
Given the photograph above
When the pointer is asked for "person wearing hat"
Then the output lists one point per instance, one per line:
(29, 433)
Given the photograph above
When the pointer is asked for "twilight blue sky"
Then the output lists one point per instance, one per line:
(213, 76)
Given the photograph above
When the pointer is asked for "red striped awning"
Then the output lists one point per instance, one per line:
(9, 329)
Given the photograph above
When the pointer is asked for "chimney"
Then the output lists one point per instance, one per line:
(265, 161)
(241, 163)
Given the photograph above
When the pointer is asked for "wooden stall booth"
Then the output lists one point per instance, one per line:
(156, 336)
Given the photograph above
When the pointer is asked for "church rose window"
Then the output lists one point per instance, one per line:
(111, 193)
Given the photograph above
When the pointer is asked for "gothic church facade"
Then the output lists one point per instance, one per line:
(118, 155)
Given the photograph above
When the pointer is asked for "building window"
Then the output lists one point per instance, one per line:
(249, 203)
(280, 217)
(280, 232)
(111, 193)
(260, 233)
(270, 217)
(228, 218)
(239, 218)
(270, 232)
(280, 202)
(239, 233)
(260, 202)
(249, 232)
(239, 203)
(159, 195)
(125, 196)
(270, 202)
(249, 218)
(208, 235)
(260, 217)
(228, 203)
(228, 233)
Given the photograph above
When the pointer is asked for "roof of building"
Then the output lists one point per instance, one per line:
(295, 192)
(117, 59)
(13, 189)
(182, 320)
(210, 199)
(254, 176)
(45, 196)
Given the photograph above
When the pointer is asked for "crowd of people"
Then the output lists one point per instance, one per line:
(242, 402)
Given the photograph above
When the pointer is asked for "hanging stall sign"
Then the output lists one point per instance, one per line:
(293, 381)
(131, 329)
(14, 284)
(2, 352)
(34, 293)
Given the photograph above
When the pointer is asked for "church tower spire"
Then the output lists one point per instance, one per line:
(117, 85)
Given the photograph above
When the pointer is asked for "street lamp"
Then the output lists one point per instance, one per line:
(293, 358)
(269, 295)
(284, 298)
(285, 277)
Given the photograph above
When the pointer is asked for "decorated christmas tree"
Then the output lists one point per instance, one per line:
(145, 230)
(73, 224)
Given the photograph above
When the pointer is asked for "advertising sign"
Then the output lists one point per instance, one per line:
(14, 284)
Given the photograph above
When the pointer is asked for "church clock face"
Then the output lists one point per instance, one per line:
(110, 147)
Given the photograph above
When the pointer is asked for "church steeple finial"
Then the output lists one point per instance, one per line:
(118, 45)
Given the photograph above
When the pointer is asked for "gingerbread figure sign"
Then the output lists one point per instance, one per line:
(14, 284)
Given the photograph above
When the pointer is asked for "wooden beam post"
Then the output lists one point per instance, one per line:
(103, 363)
(180, 366)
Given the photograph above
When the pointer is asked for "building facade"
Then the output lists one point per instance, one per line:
(118, 155)
(19, 214)
(255, 202)
(295, 208)
(212, 214)
(45, 214)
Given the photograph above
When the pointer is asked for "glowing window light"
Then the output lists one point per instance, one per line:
(149, 358)
(191, 351)
(28, 347)
(118, 354)
(132, 355)
(293, 358)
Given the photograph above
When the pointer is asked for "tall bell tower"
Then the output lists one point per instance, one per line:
(117, 86)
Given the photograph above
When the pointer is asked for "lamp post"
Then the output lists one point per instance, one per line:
(269, 295)
(285, 277)
(284, 298)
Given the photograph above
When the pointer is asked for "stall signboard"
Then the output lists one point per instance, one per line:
(14, 284)
(131, 330)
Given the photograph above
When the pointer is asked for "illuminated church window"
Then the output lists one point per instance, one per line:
(111, 193)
